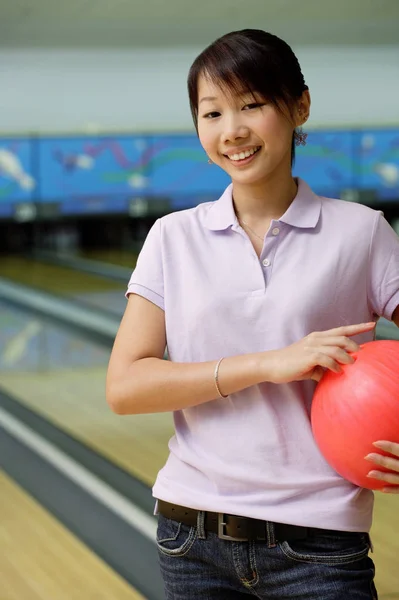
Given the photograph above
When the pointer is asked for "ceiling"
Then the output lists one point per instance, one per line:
(152, 23)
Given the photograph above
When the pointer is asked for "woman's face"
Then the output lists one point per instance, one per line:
(246, 136)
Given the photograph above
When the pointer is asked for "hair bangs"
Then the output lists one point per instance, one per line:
(235, 65)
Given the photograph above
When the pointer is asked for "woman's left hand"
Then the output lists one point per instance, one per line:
(388, 462)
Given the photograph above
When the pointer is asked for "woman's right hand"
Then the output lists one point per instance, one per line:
(313, 354)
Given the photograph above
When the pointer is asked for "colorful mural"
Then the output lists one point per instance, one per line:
(102, 174)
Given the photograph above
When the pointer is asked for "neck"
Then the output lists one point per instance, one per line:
(264, 201)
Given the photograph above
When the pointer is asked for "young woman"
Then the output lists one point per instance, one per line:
(254, 295)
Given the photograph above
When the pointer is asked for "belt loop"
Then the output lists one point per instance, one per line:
(271, 536)
(201, 525)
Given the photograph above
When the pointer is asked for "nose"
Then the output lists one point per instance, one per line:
(234, 129)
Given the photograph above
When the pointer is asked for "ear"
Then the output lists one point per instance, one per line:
(303, 109)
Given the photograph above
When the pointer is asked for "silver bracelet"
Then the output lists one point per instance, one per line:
(217, 378)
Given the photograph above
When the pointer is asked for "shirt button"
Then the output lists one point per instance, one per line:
(275, 231)
(266, 262)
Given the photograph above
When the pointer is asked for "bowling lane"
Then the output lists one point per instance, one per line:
(74, 400)
(113, 256)
(62, 377)
(91, 289)
(384, 535)
(52, 278)
(42, 560)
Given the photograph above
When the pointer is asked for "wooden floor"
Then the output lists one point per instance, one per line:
(54, 279)
(139, 445)
(41, 560)
(121, 257)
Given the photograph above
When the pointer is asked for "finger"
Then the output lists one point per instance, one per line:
(351, 329)
(316, 374)
(390, 447)
(384, 461)
(342, 341)
(337, 354)
(381, 476)
(391, 489)
(321, 359)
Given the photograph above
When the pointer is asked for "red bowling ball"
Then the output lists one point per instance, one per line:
(357, 407)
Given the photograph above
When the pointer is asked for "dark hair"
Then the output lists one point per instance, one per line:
(251, 61)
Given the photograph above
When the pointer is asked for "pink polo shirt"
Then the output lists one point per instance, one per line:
(324, 263)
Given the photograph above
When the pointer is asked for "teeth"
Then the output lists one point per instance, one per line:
(243, 155)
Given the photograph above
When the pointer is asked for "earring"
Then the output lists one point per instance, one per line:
(210, 162)
(300, 137)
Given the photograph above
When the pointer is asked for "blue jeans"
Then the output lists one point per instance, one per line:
(198, 565)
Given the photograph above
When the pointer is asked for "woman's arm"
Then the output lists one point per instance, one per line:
(140, 381)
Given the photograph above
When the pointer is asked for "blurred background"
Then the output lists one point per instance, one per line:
(96, 142)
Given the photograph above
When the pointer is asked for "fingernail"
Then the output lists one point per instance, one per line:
(369, 457)
(373, 474)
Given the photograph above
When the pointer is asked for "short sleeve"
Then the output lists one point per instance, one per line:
(147, 277)
(384, 269)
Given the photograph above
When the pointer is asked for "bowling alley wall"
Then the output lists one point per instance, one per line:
(97, 134)
(136, 174)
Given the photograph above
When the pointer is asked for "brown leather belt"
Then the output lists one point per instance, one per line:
(234, 528)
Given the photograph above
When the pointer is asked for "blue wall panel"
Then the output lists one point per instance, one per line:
(105, 173)
(18, 177)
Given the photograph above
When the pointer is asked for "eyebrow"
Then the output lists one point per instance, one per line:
(207, 98)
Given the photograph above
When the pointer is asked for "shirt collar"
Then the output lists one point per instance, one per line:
(303, 212)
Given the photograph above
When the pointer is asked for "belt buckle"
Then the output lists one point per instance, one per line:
(221, 530)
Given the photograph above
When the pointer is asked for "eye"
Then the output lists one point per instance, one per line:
(211, 115)
(253, 105)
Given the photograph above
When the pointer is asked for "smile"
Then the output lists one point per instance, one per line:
(240, 156)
